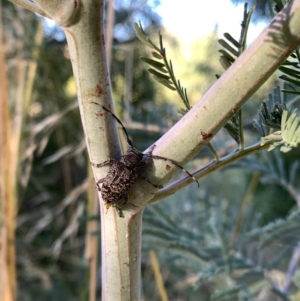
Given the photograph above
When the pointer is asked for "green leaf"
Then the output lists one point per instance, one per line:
(291, 91)
(155, 64)
(156, 55)
(289, 136)
(228, 293)
(227, 55)
(232, 128)
(189, 251)
(182, 111)
(232, 40)
(270, 114)
(166, 83)
(281, 230)
(291, 72)
(290, 130)
(288, 79)
(158, 74)
(225, 63)
(142, 36)
(289, 63)
(228, 47)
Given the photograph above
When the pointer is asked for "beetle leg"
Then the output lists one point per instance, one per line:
(99, 182)
(144, 178)
(149, 153)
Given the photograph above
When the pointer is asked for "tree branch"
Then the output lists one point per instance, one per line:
(83, 26)
(30, 6)
(65, 13)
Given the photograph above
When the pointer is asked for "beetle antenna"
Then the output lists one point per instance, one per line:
(176, 164)
(119, 121)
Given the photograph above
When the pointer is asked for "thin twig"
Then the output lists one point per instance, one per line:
(241, 130)
(209, 168)
(292, 269)
(214, 151)
(292, 191)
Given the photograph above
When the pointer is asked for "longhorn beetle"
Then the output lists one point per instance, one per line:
(123, 173)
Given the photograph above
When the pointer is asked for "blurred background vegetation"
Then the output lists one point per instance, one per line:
(204, 242)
